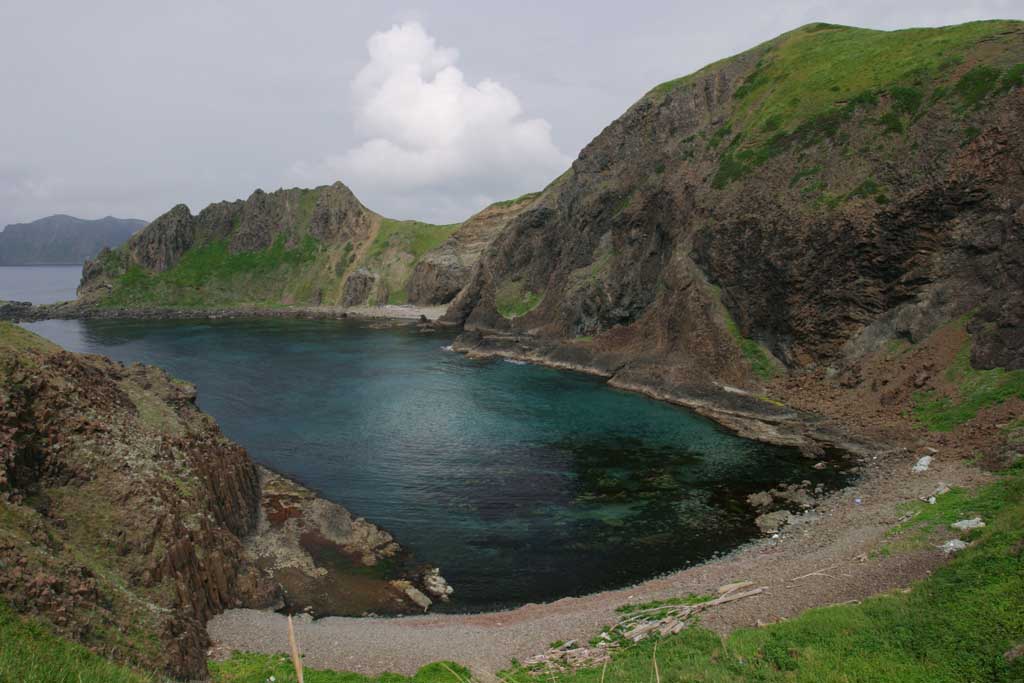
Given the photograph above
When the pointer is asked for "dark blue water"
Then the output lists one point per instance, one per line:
(522, 483)
(39, 284)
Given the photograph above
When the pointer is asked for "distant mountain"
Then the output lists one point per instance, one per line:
(59, 240)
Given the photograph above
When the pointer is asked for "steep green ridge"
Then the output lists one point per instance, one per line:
(289, 247)
(829, 183)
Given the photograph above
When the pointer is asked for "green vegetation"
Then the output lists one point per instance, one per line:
(256, 668)
(802, 174)
(413, 237)
(974, 390)
(512, 300)
(211, 274)
(1013, 78)
(399, 245)
(953, 626)
(811, 81)
(691, 599)
(976, 84)
(14, 338)
(521, 198)
(761, 362)
(30, 653)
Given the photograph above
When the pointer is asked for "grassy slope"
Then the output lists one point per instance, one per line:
(809, 81)
(211, 275)
(975, 389)
(398, 246)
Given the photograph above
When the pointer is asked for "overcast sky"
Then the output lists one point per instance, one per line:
(425, 110)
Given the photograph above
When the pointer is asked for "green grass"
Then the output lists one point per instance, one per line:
(1013, 78)
(761, 362)
(256, 668)
(396, 249)
(810, 82)
(975, 389)
(31, 653)
(505, 203)
(512, 300)
(691, 599)
(952, 627)
(976, 85)
(413, 237)
(211, 274)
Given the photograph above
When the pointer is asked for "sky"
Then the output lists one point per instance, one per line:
(427, 111)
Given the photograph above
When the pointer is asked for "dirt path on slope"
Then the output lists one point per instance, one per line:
(838, 543)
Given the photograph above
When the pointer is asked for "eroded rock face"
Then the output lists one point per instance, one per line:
(358, 287)
(328, 561)
(837, 243)
(127, 519)
(443, 272)
(116, 464)
(330, 214)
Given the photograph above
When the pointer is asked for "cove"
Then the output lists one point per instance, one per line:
(522, 483)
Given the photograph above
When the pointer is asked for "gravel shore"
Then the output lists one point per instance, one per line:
(825, 561)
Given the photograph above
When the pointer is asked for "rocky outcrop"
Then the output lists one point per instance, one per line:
(698, 241)
(358, 287)
(289, 232)
(444, 271)
(127, 519)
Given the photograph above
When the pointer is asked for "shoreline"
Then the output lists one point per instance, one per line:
(844, 529)
(843, 536)
(830, 555)
(23, 311)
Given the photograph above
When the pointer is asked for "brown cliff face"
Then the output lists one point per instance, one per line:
(698, 234)
(444, 271)
(127, 519)
(111, 476)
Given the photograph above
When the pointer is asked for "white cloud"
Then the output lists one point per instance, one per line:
(432, 139)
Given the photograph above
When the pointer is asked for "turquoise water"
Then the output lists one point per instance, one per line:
(39, 284)
(521, 483)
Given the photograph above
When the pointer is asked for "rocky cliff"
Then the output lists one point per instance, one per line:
(62, 240)
(444, 271)
(802, 205)
(301, 247)
(127, 519)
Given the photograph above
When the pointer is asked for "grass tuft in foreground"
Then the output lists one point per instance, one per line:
(29, 653)
(256, 668)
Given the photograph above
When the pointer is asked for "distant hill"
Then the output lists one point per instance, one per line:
(59, 240)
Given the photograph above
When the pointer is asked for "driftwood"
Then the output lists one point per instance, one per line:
(664, 620)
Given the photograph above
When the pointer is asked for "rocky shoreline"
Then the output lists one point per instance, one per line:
(743, 412)
(24, 311)
(128, 520)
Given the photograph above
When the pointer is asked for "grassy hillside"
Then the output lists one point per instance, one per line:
(810, 81)
(395, 251)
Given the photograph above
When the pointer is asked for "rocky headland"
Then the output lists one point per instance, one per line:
(127, 519)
